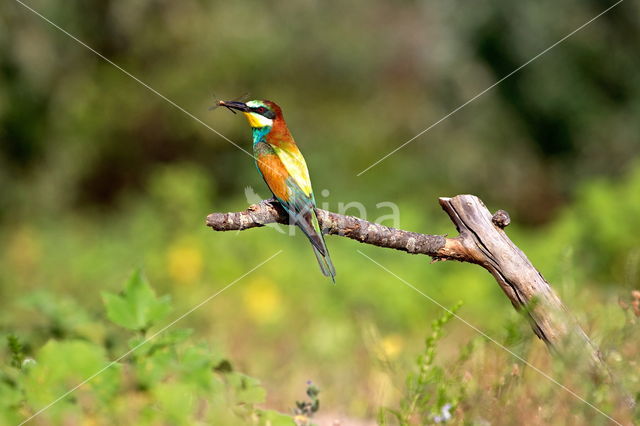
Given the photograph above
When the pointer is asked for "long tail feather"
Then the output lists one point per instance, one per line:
(326, 266)
(305, 218)
(311, 228)
(308, 223)
(322, 254)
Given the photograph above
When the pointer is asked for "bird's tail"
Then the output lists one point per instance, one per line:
(324, 260)
(310, 226)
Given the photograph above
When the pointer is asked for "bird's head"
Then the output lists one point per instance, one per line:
(260, 114)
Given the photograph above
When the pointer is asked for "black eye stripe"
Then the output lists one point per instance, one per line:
(264, 112)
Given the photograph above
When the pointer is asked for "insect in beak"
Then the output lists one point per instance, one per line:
(230, 105)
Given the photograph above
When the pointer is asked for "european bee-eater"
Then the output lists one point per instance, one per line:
(283, 168)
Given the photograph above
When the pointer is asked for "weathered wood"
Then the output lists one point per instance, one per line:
(270, 211)
(481, 240)
(487, 245)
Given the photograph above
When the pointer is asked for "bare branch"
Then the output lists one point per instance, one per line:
(481, 240)
(270, 211)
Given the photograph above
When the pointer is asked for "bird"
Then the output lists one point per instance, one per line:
(284, 170)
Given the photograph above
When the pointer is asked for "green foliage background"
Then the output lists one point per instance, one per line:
(99, 177)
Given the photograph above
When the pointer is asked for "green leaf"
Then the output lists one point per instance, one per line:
(10, 399)
(138, 307)
(60, 366)
(247, 389)
(9, 395)
(196, 366)
(151, 370)
(176, 402)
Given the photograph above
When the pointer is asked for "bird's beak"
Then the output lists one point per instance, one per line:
(233, 105)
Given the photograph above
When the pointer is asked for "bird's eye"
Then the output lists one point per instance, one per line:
(261, 110)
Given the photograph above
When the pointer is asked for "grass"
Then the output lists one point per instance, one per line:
(362, 341)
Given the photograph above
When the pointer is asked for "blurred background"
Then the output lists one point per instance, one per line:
(98, 175)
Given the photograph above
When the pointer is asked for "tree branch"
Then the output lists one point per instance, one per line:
(270, 211)
(481, 240)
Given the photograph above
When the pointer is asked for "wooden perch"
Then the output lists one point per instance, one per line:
(481, 240)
